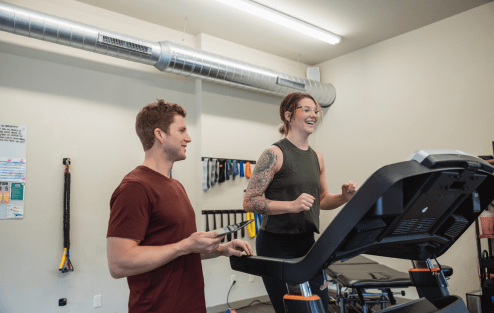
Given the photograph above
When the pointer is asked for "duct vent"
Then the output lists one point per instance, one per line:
(290, 83)
(110, 41)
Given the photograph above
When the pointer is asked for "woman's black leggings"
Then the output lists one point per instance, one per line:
(286, 246)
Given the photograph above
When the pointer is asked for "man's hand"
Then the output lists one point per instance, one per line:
(236, 247)
(203, 242)
(349, 189)
(303, 203)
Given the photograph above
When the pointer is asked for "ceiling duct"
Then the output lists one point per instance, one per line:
(165, 56)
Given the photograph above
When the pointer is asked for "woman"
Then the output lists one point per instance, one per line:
(292, 177)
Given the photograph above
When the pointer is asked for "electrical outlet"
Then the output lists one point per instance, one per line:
(234, 278)
(97, 301)
(251, 278)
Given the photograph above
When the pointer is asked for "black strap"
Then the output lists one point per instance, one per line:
(66, 204)
(66, 216)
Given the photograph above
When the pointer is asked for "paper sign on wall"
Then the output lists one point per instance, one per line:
(12, 170)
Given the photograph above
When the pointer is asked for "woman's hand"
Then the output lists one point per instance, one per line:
(349, 189)
(303, 203)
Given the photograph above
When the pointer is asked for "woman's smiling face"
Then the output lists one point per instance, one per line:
(305, 116)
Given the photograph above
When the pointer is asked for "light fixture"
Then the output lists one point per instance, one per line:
(272, 15)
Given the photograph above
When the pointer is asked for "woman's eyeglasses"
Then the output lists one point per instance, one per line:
(308, 109)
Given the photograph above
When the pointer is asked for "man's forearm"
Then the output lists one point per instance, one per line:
(133, 260)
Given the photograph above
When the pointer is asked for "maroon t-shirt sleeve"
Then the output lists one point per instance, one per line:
(130, 210)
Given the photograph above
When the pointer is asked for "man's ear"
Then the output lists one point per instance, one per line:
(159, 135)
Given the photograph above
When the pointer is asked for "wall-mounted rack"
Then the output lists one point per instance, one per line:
(223, 159)
(223, 211)
(228, 220)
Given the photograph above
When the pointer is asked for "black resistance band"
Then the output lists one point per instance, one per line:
(66, 264)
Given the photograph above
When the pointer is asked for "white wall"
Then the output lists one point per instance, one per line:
(236, 124)
(88, 116)
(83, 105)
(430, 88)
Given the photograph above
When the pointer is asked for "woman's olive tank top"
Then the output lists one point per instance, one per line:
(300, 173)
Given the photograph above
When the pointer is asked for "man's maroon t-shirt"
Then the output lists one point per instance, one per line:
(155, 209)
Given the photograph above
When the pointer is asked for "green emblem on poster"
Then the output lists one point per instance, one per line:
(17, 192)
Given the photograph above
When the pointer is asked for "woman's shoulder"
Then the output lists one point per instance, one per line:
(273, 155)
(320, 159)
(275, 149)
(319, 154)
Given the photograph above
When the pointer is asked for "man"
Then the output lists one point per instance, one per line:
(152, 237)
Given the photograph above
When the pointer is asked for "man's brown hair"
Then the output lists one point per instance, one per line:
(155, 115)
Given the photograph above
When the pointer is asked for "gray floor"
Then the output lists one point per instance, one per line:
(268, 308)
(258, 308)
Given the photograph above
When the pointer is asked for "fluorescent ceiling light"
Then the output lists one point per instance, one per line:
(272, 15)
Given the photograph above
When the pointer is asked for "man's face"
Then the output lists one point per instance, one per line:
(176, 139)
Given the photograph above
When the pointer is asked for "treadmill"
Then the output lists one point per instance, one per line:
(414, 210)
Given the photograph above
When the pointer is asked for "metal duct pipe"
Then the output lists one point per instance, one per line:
(187, 61)
(165, 56)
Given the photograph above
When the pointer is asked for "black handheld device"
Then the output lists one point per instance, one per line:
(232, 228)
(486, 157)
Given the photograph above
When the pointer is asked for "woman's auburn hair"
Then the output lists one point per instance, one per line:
(289, 104)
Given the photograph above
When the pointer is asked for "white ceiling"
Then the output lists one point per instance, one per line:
(360, 23)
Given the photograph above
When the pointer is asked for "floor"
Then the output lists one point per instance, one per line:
(268, 308)
(257, 308)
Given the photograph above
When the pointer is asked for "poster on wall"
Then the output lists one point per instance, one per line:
(12, 170)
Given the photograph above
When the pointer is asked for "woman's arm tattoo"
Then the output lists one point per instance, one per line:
(260, 180)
